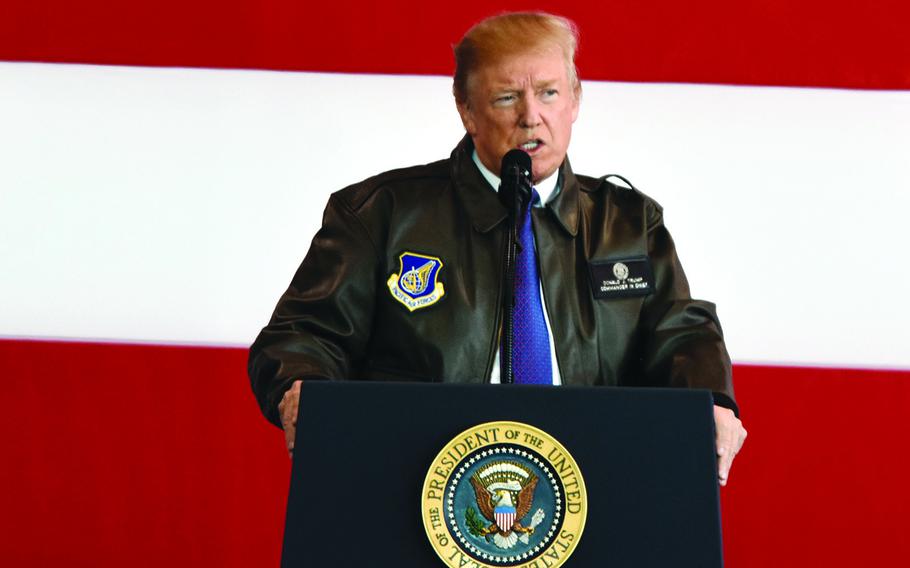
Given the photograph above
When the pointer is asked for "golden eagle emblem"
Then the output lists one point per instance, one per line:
(504, 491)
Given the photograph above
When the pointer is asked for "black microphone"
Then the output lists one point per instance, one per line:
(515, 180)
(514, 194)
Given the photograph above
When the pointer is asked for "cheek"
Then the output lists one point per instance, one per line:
(497, 136)
(501, 123)
(469, 125)
(568, 118)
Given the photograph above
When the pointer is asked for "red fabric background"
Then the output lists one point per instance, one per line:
(135, 455)
(147, 455)
(761, 42)
(150, 455)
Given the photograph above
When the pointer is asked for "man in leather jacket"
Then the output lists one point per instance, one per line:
(616, 299)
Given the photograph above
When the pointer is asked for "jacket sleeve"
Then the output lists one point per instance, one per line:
(321, 324)
(683, 340)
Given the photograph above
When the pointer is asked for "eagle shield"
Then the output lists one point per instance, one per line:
(504, 492)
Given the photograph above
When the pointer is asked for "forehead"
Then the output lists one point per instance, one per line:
(536, 67)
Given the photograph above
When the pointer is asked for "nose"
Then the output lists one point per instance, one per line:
(529, 113)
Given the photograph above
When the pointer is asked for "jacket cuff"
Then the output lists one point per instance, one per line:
(274, 415)
(722, 400)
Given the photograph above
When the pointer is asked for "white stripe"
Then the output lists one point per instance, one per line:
(174, 205)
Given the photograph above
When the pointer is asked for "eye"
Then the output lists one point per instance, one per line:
(506, 99)
(548, 94)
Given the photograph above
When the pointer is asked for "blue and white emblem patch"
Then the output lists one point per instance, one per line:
(415, 285)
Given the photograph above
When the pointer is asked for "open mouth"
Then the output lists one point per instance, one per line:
(531, 145)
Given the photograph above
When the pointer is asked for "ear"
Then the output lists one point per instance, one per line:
(467, 117)
(576, 102)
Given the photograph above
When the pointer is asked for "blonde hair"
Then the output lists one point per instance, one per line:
(498, 37)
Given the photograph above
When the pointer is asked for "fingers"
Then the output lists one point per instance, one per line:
(730, 436)
(290, 433)
(287, 408)
(724, 463)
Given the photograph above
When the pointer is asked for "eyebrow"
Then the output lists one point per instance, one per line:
(509, 87)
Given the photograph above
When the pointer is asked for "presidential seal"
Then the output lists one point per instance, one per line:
(504, 494)
(620, 271)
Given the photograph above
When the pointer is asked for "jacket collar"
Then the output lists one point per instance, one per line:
(483, 205)
(565, 205)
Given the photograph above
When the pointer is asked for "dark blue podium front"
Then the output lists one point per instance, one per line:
(364, 449)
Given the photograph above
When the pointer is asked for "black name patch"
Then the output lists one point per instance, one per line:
(621, 278)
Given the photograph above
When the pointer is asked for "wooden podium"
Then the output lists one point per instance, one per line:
(363, 452)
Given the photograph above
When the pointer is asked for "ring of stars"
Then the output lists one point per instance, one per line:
(464, 540)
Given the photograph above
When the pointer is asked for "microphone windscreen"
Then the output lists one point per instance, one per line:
(513, 158)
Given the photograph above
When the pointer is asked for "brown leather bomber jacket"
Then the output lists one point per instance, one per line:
(615, 293)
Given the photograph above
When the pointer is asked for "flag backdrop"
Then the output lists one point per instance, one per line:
(164, 165)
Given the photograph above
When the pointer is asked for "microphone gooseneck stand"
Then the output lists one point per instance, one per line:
(515, 187)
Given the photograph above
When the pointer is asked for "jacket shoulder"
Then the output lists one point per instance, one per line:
(357, 194)
(619, 191)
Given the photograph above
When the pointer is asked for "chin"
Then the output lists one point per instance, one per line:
(538, 175)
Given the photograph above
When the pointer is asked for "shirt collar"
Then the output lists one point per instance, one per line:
(546, 188)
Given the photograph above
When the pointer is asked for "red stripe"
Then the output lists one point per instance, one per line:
(823, 477)
(135, 455)
(158, 455)
(761, 42)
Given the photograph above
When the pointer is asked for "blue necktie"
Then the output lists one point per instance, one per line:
(530, 345)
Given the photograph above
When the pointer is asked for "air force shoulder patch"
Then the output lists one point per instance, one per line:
(415, 285)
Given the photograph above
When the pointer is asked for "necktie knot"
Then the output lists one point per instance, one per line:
(535, 198)
(526, 212)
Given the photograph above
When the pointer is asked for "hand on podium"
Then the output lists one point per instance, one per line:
(288, 410)
(729, 438)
